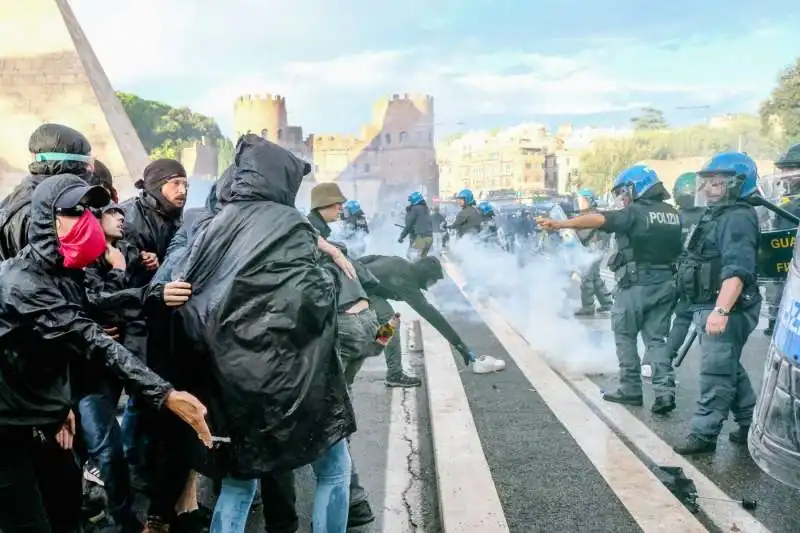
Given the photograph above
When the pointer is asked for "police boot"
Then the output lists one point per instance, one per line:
(770, 328)
(625, 399)
(694, 445)
(740, 435)
(585, 311)
(663, 405)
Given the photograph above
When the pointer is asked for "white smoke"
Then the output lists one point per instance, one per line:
(538, 298)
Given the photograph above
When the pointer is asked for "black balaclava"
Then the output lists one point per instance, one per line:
(155, 175)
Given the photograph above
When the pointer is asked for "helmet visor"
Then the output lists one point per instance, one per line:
(715, 189)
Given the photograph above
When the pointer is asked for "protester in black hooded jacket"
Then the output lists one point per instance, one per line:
(43, 326)
(57, 149)
(101, 175)
(153, 217)
(403, 281)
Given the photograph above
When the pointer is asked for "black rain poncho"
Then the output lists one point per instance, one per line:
(44, 327)
(263, 318)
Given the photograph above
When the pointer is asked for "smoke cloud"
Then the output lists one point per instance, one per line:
(538, 297)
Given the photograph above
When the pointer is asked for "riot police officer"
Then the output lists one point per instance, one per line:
(717, 276)
(488, 224)
(648, 234)
(469, 219)
(354, 228)
(683, 192)
(592, 284)
(418, 227)
(788, 184)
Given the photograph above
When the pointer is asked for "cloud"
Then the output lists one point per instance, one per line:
(330, 64)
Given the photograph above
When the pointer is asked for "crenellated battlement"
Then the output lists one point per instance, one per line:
(260, 98)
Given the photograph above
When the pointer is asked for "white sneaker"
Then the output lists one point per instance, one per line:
(486, 364)
(647, 371)
(92, 475)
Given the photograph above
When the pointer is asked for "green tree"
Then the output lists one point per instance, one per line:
(165, 130)
(605, 158)
(225, 154)
(650, 119)
(783, 104)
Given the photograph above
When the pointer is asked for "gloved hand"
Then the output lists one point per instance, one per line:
(400, 239)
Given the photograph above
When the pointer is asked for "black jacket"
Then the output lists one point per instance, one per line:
(15, 217)
(149, 229)
(402, 281)
(260, 328)
(418, 222)
(44, 327)
(468, 221)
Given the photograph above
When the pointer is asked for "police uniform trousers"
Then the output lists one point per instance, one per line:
(593, 286)
(645, 309)
(724, 384)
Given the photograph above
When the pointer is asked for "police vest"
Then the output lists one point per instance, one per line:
(654, 243)
(700, 269)
(690, 218)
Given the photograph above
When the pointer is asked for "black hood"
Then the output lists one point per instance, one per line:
(42, 236)
(224, 184)
(263, 171)
(427, 270)
(212, 201)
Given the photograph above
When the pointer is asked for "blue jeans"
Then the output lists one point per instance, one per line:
(331, 499)
(133, 435)
(103, 439)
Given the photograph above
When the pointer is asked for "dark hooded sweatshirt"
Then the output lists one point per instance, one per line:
(403, 281)
(43, 327)
(150, 220)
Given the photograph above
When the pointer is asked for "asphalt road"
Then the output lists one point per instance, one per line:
(372, 400)
(544, 480)
(730, 468)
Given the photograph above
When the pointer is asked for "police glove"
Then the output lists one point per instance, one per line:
(400, 239)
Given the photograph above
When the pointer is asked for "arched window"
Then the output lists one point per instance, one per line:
(280, 134)
(403, 137)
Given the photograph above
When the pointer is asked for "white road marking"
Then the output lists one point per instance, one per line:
(648, 501)
(468, 499)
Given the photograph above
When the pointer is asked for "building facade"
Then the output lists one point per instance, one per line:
(509, 159)
(392, 155)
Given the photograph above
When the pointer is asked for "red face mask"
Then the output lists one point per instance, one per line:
(85, 242)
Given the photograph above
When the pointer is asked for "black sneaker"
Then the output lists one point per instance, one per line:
(740, 435)
(625, 399)
(403, 380)
(585, 311)
(360, 514)
(694, 445)
(663, 405)
(770, 328)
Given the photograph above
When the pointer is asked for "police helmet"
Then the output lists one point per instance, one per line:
(415, 198)
(725, 178)
(352, 207)
(486, 208)
(467, 196)
(684, 190)
(633, 182)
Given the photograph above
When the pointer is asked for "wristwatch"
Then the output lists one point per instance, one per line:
(722, 311)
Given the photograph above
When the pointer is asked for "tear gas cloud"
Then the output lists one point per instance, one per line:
(537, 296)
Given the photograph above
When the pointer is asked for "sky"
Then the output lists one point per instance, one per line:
(487, 63)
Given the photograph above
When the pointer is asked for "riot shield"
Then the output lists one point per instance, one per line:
(775, 254)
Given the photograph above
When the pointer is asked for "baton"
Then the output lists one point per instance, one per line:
(781, 212)
(685, 348)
